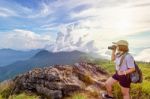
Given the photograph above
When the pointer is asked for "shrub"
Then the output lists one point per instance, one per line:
(6, 88)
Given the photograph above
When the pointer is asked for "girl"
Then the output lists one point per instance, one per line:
(122, 70)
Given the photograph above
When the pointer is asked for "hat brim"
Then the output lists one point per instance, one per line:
(114, 42)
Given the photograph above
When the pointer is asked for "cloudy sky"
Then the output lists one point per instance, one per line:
(85, 25)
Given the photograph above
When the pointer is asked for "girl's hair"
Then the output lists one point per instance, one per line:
(123, 48)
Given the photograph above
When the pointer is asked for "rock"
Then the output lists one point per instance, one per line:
(54, 85)
(51, 94)
(58, 81)
(70, 88)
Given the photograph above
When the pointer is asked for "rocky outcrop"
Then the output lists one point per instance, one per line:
(58, 81)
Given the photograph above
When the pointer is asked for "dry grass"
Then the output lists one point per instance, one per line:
(84, 95)
(6, 88)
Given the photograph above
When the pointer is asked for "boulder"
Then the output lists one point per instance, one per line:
(58, 81)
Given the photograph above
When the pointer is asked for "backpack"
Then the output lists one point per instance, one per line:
(136, 76)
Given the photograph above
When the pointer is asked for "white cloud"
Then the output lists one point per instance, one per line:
(24, 40)
(70, 38)
(117, 20)
(144, 55)
(44, 11)
(4, 12)
(25, 12)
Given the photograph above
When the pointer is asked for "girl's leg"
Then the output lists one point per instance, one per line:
(125, 92)
(109, 83)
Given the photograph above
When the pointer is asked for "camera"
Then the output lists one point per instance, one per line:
(113, 47)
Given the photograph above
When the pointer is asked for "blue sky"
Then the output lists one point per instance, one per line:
(86, 25)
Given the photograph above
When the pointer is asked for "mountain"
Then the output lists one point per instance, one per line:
(8, 56)
(41, 59)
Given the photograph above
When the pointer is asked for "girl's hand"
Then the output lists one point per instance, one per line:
(120, 73)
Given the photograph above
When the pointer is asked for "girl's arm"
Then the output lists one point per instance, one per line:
(130, 70)
(130, 64)
(113, 56)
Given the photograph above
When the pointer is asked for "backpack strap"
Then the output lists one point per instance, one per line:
(122, 58)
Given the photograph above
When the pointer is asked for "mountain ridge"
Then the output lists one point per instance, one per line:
(41, 59)
(8, 56)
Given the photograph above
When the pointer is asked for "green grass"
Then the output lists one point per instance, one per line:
(23, 96)
(79, 96)
(1, 97)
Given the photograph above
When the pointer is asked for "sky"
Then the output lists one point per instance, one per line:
(85, 25)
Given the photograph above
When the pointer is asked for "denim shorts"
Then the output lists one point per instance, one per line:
(124, 80)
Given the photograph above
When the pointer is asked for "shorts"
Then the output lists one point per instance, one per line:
(124, 80)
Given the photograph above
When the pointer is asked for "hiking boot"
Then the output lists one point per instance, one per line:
(106, 96)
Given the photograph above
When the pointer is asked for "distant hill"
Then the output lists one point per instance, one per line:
(8, 56)
(41, 59)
